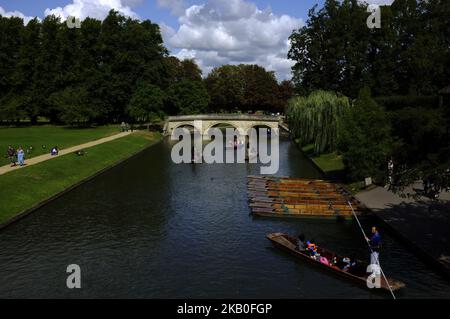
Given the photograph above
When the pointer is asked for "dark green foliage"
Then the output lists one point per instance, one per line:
(73, 106)
(89, 74)
(246, 88)
(365, 139)
(225, 86)
(422, 148)
(315, 119)
(391, 103)
(187, 97)
(408, 55)
(147, 101)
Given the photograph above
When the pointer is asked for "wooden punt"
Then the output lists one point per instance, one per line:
(297, 197)
(294, 193)
(301, 208)
(296, 213)
(300, 199)
(293, 187)
(357, 275)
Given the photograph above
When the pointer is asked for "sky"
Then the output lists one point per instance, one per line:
(213, 32)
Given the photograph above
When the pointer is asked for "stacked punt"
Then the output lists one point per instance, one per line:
(299, 197)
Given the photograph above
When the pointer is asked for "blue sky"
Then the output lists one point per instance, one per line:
(213, 32)
(149, 9)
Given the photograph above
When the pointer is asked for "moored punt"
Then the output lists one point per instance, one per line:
(357, 275)
(285, 197)
(296, 213)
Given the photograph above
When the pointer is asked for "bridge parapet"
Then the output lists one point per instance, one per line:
(242, 122)
(234, 117)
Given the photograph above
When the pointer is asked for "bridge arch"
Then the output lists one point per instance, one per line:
(241, 122)
(234, 125)
(190, 125)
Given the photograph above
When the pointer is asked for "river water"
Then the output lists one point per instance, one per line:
(150, 228)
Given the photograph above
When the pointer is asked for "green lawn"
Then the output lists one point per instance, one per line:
(48, 136)
(330, 162)
(26, 187)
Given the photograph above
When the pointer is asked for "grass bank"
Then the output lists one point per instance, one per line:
(43, 138)
(328, 163)
(333, 167)
(29, 186)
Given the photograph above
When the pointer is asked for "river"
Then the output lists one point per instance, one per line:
(149, 228)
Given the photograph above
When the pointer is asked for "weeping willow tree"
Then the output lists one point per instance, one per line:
(315, 119)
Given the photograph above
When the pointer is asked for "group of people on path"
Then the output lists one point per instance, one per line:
(125, 127)
(17, 156)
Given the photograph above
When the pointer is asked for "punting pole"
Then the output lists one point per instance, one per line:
(378, 262)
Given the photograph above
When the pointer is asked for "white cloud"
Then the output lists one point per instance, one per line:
(18, 14)
(93, 8)
(233, 32)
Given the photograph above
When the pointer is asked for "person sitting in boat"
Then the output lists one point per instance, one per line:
(324, 260)
(346, 263)
(349, 264)
(301, 243)
(333, 262)
(312, 248)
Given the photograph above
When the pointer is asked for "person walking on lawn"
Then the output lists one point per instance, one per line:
(11, 155)
(21, 156)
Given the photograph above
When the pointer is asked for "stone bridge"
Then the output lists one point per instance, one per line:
(202, 123)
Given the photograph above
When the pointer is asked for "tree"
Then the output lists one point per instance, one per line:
(243, 87)
(422, 150)
(286, 92)
(147, 102)
(73, 106)
(26, 71)
(11, 107)
(365, 139)
(409, 54)
(225, 86)
(187, 97)
(190, 70)
(260, 88)
(315, 119)
(47, 73)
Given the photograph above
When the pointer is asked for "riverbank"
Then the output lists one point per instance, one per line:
(329, 163)
(38, 140)
(29, 187)
(45, 157)
(422, 225)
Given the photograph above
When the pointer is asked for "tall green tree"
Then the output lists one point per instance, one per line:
(147, 102)
(260, 90)
(11, 36)
(364, 139)
(45, 79)
(315, 119)
(73, 106)
(225, 85)
(187, 97)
